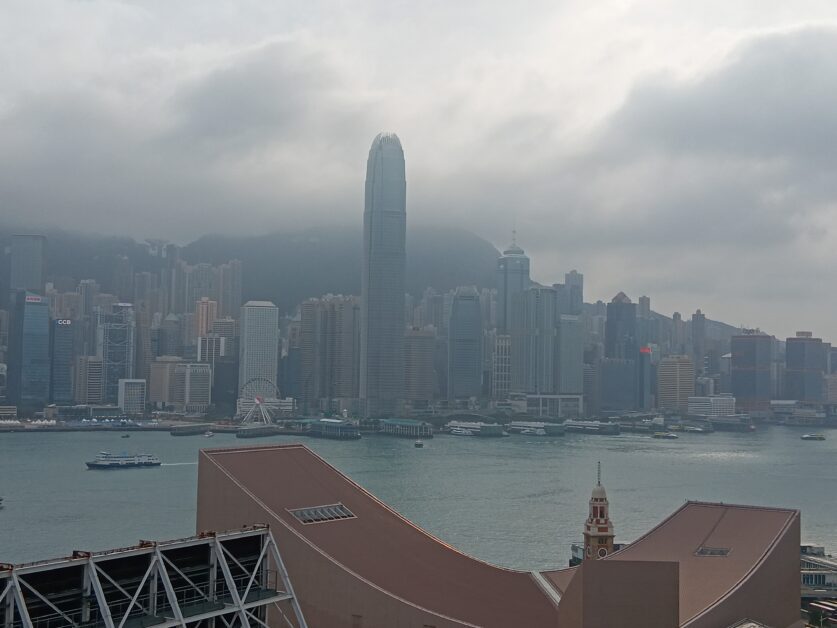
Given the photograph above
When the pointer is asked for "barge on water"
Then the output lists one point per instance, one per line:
(193, 429)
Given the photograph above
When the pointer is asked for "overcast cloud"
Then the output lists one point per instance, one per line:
(684, 150)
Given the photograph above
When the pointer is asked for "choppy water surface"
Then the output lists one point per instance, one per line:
(517, 501)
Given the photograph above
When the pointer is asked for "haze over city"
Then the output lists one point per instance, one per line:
(670, 149)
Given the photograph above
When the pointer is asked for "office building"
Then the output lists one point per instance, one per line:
(63, 352)
(620, 329)
(28, 382)
(161, 382)
(645, 381)
(533, 341)
(258, 350)
(806, 362)
(574, 289)
(116, 345)
(675, 383)
(617, 385)
(191, 387)
(465, 345)
(419, 376)
(382, 281)
(501, 367)
(89, 380)
(87, 290)
(712, 405)
(131, 396)
(751, 370)
(570, 359)
(28, 264)
(698, 340)
(512, 279)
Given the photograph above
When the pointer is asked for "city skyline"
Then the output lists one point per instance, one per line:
(606, 167)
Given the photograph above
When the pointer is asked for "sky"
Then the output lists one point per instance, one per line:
(684, 150)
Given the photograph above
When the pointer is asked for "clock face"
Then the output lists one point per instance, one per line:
(602, 552)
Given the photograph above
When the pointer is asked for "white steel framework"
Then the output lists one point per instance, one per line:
(226, 580)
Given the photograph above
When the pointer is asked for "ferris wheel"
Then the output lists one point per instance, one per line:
(258, 399)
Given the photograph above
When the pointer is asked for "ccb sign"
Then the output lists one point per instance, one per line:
(63, 321)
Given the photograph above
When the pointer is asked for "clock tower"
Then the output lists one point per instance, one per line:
(598, 529)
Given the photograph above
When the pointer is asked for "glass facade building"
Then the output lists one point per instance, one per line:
(382, 282)
(29, 362)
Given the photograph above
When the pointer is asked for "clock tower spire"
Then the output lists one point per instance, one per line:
(598, 529)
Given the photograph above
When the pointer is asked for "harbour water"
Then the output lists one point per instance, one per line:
(517, 502)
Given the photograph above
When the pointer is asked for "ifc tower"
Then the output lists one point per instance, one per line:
(382, 284)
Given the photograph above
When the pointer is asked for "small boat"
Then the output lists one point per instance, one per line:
(125, 436)
(460, 431)
(1, 503)
(695, 429)
(209, 434)
(665, 435)
(418, 444)
(813, 437)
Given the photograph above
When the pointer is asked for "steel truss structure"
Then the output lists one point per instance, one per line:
(215, 580)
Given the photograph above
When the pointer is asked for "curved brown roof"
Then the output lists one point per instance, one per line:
(381, 546)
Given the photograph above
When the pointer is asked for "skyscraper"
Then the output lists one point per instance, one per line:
(29, 364)
(620, 329)
(258, 349)
(28, 263)
(116, 345)
(382, 282)
(806, 359)
(206, 311)
(465, 345)
(512, 279)
(751, 370)
(533, 341)
(419, 346)
(64, 343)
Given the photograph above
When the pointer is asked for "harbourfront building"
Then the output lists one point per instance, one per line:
(63, 350)
(258, 350)
(712, 405)
(419, 349)
(382, 281)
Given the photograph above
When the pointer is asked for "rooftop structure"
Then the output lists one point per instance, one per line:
(235, 577)
(707, 565)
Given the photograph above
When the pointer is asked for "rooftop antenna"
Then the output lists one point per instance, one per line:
(514, 231)
(599, 474)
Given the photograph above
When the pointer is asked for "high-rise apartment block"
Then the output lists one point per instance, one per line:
(330, 350)
(382, 281)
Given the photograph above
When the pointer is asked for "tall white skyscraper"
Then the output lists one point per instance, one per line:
(384, 254)
(259, 349)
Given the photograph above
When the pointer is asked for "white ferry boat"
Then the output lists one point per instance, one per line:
(107, 460)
